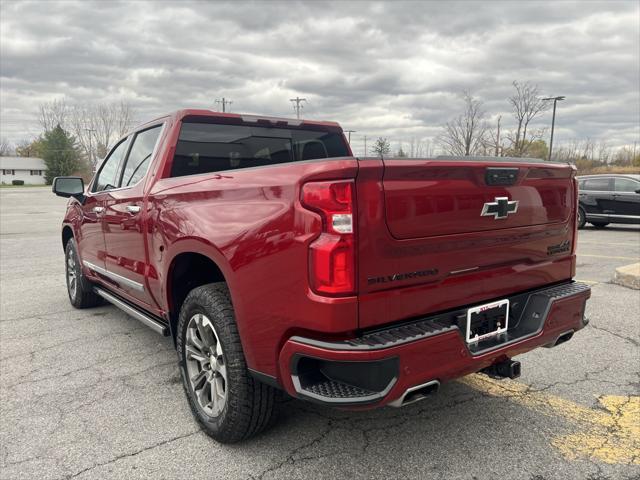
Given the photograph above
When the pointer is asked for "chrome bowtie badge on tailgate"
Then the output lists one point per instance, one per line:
(501, 207)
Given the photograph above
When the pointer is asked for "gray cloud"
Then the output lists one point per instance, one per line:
(394, 69)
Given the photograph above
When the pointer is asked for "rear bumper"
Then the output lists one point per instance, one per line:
(380, 366)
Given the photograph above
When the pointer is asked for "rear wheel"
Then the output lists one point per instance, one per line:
(599, 224)
(80, 289)
(225, 399)
(581, 218)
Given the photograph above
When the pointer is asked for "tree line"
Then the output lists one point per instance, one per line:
(75, 137)
(470, 133)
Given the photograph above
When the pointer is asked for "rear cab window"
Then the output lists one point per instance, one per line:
(213, 147)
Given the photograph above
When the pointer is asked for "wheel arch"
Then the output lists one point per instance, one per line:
(192, 265)
(67, 234)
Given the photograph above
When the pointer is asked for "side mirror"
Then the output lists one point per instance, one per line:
(68, 187)
(637, 190)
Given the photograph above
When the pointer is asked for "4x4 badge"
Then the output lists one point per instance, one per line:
(501, 207)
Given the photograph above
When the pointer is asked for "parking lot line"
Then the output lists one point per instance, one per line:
(610, 435)
(607, 256)
(601, 244)
(588, 282)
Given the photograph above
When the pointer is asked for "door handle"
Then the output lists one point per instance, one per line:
(133, 209)
(98, 209)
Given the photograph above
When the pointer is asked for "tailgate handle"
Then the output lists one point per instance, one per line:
(501, 176)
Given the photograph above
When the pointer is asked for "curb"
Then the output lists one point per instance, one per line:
(628, 276)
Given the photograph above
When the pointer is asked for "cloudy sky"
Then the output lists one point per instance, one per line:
(394, 69)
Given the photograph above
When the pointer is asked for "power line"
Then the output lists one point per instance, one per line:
(224, 102)
(297, 106)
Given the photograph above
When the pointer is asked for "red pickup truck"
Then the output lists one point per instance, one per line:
(278, 261)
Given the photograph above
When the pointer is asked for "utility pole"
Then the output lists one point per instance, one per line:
(350, 132)
(365, 145)
(93, 165)
(498, 138)
(224, 102)
(553, 120)
(297, 105)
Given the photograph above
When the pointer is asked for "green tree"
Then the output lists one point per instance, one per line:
(382, 147)
(536, 149)
(60, 154)
(401, 153)
(32, 148)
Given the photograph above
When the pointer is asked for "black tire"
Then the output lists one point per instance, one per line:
(249, 405)
(79, 289)
(581, 218)
(599, 224)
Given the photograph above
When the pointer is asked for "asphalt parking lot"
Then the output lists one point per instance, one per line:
(95, 394)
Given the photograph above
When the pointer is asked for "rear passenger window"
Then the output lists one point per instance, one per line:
(598, 184)
(209, 147)
(140, 156)
(626, 185)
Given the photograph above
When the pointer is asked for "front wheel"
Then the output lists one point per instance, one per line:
(80, 289)
(581, 218)
(224, 398)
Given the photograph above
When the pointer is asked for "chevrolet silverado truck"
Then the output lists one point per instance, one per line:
(277, 261)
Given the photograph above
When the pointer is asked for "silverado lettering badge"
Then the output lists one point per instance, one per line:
(559, 248)
(501, 207)
(401, 276)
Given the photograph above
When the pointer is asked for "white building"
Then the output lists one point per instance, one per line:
(29, 169)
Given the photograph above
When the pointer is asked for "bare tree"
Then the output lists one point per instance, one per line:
(95, 126)
(526, 105)
(53, 113)
(5, 147)
(603, 151)
(124, 117)
(465, 135)
(413, 147)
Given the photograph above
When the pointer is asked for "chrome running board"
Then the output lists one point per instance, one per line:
(139, 315)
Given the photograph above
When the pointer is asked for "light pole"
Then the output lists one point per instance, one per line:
(553, 120)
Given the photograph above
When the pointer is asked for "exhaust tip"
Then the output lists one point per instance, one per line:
(417, 393)
(564, 338)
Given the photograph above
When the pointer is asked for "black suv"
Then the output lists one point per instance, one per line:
(608, 199)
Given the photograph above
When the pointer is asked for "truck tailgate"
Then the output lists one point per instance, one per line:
(431, 198)
(437, 234)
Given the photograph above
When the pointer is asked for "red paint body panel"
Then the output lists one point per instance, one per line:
(426, 198)
(417, 215)
(463, 267)
(251, 223)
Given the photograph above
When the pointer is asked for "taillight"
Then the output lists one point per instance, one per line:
(332, 260)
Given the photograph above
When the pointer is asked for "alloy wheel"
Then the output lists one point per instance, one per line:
(205, 365)
(72, 279)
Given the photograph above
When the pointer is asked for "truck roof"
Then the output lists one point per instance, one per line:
(249, 118)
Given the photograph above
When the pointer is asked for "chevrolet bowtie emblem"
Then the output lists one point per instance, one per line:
(501, 207)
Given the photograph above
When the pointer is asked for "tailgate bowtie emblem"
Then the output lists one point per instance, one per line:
(501, 207)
